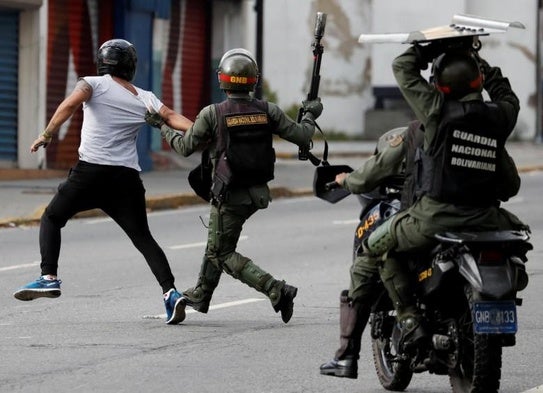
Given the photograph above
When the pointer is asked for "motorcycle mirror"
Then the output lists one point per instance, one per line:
(326, 174)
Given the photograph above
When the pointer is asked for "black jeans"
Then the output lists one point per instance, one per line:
(119, 192)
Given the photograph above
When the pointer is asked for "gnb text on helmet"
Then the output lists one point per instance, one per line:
(237, 71)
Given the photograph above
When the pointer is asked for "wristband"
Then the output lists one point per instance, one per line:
(47, 135)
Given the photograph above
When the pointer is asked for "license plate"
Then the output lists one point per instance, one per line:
(495, 317)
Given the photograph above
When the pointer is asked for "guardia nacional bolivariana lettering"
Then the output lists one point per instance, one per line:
(242, 120)
(469, 137)
(487, 150)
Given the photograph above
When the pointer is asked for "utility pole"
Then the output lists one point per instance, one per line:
(539, 92)
(259, 8)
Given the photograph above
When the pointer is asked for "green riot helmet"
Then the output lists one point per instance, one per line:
(117, 57)
(237, 70)
(457, 74)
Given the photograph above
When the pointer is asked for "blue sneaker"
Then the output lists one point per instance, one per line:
(175, 307)
(39, 288)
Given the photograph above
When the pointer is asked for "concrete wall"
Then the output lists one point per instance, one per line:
(32, 63)
(349, 70)
(514, 52)
(288, 60)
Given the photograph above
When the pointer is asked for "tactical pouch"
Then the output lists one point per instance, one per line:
(221, 179)
(200, 177)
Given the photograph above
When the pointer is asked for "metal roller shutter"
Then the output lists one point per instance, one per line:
(9, 63)
(70, 54)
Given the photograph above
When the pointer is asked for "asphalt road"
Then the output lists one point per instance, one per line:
(106, 333)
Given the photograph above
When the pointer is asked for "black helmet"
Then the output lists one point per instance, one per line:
(457, 74)
(118, 58)
(237, 70)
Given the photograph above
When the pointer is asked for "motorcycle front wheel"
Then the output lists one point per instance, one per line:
(479, 358)
(394, 372)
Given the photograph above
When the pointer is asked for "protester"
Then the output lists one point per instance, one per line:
(106, 175)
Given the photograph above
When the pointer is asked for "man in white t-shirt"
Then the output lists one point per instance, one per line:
(107, 173)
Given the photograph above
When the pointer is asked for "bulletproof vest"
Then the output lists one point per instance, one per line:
(245, 136)
(460, 165)
(414, 139)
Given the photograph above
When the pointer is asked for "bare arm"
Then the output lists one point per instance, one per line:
(174, 119)
(81, 93)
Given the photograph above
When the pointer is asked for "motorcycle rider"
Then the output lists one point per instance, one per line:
(457, 173)
(393, 157)
(238, 132)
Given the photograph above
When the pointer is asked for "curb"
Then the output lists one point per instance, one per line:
(174, 201)
(154, 203)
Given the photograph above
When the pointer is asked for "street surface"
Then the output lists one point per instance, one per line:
(106, 333)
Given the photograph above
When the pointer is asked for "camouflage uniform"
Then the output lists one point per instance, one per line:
(227, 218)
(388, 161)
(414, 228)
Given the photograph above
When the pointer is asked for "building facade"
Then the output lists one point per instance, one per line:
(47, 44)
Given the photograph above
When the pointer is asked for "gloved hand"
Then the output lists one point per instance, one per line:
(483, 64)
(313, 106)
(427, 53)
(43, 140)
(154, 119)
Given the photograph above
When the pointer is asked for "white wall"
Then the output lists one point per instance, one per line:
(349, 70)
(514, 52)
(288, 59)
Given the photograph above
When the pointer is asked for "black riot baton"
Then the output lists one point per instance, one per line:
(320, 23)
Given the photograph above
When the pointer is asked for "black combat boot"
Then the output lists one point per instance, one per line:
(280, 294)
(352, 321)
(198, 298)
(286, 303)
(413, 333)
(200, 295)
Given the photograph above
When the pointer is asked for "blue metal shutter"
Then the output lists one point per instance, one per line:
(9, 60)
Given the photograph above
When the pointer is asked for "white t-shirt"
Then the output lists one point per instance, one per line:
(112, 118)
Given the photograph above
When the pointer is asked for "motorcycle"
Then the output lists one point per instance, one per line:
(466, 291)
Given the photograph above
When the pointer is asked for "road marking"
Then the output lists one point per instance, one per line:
(215, 307)
(534, 390)
(23, 266)
(198, 244)
(345, 222)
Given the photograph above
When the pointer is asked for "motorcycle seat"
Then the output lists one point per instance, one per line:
(508, 236)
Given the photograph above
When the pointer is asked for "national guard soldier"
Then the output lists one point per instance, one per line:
(458, 173)
(238, 134)
(393, 158)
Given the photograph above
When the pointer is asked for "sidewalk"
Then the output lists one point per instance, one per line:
(25, 193)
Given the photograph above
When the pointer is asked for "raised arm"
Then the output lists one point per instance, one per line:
(81, 93)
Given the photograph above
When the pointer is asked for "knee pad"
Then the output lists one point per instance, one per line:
(255, 277)
(381, 240)
(235, 264)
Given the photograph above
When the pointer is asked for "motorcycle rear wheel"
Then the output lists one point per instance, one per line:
(480, 359)
(394, 373)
